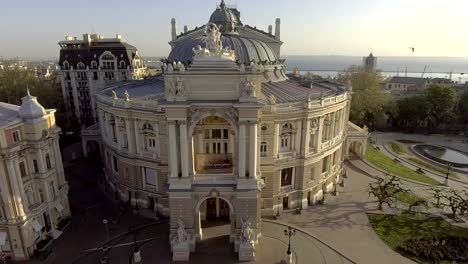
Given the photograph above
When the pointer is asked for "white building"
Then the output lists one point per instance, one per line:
(33, 201)
(223, 135)
(85, 66)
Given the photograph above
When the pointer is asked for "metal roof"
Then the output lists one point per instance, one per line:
(246, 49)
(8, 112)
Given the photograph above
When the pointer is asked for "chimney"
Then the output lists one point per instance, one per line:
(270, 29)
(185, 29)
(278, 29)
(173, 24)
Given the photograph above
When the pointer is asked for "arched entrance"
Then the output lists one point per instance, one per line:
(93, 150)
(216, 218)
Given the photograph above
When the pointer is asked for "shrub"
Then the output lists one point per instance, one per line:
(437, 248)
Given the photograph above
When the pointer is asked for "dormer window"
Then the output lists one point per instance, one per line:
(80, 66)
(93, 65)
(122, 65)
(66, 65)
(107, 61)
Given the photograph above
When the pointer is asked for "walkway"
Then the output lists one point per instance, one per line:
(343, 223)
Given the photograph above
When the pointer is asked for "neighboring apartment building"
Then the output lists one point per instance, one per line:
(33, 190)
(401, 86)
(86, 65)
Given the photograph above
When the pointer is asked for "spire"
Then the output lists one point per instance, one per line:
(222, 5)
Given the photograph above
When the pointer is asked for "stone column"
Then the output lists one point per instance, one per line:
(183, 148)
(231, 142)
(242, 150)
(332, 126)
(117, 132)
(276, 140)
(136, 128)
(319, 133)
(130, 135)
(14, 182)
(173, 149)
(297, 143)
(253, 150)
(306, 136)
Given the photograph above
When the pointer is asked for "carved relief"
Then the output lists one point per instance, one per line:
(249, 89)
(177, 88)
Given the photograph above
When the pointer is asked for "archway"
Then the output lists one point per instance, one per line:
(355, 150)
(213, 146)
(214, 217)
(94, 151)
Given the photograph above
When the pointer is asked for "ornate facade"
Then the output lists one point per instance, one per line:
(34, 201)
(226, 135)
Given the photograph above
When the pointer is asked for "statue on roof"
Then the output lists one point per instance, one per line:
(212, 38)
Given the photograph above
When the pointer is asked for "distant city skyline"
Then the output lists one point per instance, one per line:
(336, 27)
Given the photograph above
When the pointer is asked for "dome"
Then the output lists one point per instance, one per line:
(246, 49)
(225, 18)
(30, 108)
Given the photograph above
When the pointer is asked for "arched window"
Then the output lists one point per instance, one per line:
(149, 137)
(29, 196)
(263, 149)
(122, 64)
(107, 61)
(93, 65)
(80, 66)
(66, 65)
(326, 128)
(47, 158)
(286, 137)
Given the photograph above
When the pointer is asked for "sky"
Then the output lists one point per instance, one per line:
(32, 28)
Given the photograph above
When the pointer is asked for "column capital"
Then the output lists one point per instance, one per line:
(253, 122)
(171, 122)
(182, 122)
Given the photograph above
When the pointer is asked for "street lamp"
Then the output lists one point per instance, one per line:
(106, 222)
(136, 249)
(449, 167)
(289, 233)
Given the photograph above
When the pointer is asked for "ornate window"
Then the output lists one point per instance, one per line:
(326, 128)
(66, 65)
(22, 168)
(122, 64)
(286, 137)
(29, 196)
(80, 66)
(47, 158)
(150, 176)
(325, 162)
(107, 61)
(286, 177)
(93, 64)
(149, 137)
(263, 149)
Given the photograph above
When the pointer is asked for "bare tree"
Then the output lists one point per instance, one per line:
(437, 194)
(385, 190)
(457, 201)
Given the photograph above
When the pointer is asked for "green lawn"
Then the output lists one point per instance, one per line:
(398, 148)
(385, 163)
(433, 167)
(408, 197)
(394, 230)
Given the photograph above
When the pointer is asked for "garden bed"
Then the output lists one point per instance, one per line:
(422, 237)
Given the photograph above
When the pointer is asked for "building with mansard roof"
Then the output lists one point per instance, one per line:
(87, 65)
(34, 193)
(224, 135)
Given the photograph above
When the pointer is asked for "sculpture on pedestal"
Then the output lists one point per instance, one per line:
(213, 45)
(182, 235)
(246, 231)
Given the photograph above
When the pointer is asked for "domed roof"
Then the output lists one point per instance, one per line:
(246, 49)
(30, 108)
(225, 18)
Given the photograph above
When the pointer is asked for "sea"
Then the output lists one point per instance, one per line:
(455, 68)
(452, 68)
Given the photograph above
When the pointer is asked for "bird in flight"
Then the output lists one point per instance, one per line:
(412, 49)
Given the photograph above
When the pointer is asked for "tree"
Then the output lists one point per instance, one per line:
(385, 190)
(368, 98)
(441, 102)
(412, 110)
(463, 109)
(457, 201)
(437, 194)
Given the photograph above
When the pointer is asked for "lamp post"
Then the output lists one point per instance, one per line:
(289, 233)
(106, 222)
(278, 212)
(136, 249)
(449, 166)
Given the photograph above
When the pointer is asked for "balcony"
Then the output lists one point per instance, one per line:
(37, 208)
(286, 189)
(214, 179)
